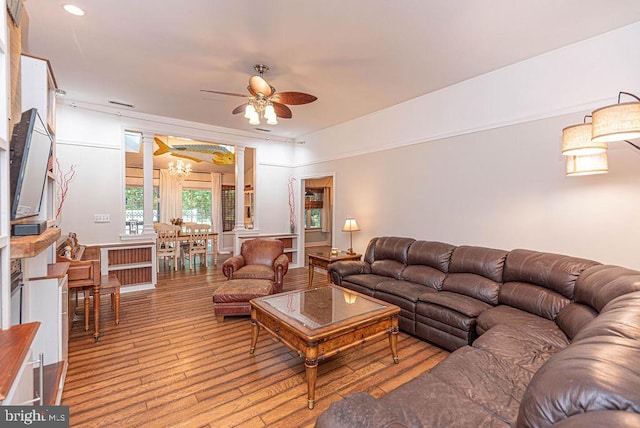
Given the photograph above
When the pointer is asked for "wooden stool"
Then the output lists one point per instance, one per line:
(112, 284)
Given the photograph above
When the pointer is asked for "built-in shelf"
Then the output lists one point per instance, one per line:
(15, 344)
(31, 246)
(290, 241)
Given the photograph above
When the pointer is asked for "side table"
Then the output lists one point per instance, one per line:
(323, 258)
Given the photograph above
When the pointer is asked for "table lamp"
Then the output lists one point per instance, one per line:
(350, 225)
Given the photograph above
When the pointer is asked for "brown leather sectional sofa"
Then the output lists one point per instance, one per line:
(539, 339)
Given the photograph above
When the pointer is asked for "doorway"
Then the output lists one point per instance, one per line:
(318, 214)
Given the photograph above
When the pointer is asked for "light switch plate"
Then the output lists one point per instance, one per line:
(101, 218)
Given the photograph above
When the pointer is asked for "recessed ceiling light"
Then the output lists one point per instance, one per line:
(73, 10)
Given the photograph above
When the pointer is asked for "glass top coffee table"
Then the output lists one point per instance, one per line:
(320, 322)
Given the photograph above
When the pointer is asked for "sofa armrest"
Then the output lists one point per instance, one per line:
(338, 270)
(231, 265)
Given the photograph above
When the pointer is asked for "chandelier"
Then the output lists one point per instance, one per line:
(260, 106)
(180, 169)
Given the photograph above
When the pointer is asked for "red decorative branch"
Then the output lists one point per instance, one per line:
(63, 180)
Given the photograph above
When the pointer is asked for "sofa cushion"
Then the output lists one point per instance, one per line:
(433, 254)
(598, 285)
(405, 289)
(553, 271)
(435, 397)
(390, 268)
(425, 275)
(573, 317)
(473, 285)
(486, 379)
(367, 280)
(458, 302)
(594, 374)
(502, 314)
(482, 261)
(521, 345)
(360, 410)
(531, 298)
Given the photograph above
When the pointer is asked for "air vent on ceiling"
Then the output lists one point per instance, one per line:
(118, 103)
(262, 129)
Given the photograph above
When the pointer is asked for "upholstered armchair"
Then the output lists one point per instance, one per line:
(259, 259)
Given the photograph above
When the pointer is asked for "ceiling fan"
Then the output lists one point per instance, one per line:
(264, 101)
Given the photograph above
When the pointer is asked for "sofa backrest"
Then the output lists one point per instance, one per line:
(427, 263)
(388, 255)
(476, 272)
(594, 289)
(597, 372)
(540, 283)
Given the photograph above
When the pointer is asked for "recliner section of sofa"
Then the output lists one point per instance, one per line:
(557, 344)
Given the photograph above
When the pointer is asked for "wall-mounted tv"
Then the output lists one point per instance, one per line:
(30, 152)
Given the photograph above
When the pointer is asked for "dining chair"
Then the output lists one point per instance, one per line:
(197, 244)
(167, 244)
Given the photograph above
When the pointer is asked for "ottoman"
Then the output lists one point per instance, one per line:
(232, 296)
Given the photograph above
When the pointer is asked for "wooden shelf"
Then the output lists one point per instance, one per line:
(14, 345)
(31, 246)
(55, 270)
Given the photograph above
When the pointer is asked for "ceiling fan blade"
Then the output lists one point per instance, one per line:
(260, 86)
(282, 110)
(293, 98)
(224, 93)
(240, 109)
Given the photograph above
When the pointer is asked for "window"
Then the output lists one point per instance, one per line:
(313, 208)
(196, 206)
(134, 208)
(228, 208)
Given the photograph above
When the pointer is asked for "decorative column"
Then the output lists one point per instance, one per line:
(147, 183)
(239, 227)
(239, 189)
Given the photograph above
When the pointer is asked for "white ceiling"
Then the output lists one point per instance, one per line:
(356, 56)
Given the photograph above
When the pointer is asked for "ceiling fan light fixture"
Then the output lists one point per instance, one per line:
(249, 111)
(269, 112)
(254, 119)
(272, 121)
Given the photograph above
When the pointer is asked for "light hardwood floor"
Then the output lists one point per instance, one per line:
(169, 363)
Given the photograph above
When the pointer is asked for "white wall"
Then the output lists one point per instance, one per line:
(93, 141)
(479, 162)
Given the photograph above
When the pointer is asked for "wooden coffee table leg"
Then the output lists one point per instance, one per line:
(311, 367)
(393, 339)
(255, 329)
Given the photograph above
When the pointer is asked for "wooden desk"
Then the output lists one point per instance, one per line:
(213, 237)
(323, 258)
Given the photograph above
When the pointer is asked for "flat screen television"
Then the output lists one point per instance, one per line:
(31, 146)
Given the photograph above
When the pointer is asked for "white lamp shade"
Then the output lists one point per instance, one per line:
(616, 122)
(269, 112)
(350, 225)
(254, 119)
(576, 141)
(272, 121)
(249, 111)
(587, 165)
